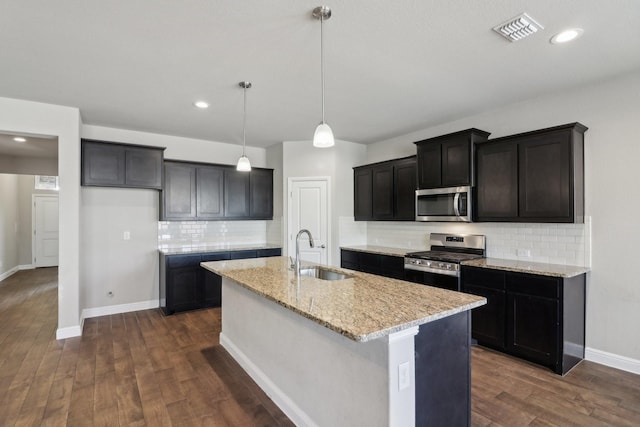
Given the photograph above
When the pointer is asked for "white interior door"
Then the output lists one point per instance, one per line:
(309, 209)
(45, 230)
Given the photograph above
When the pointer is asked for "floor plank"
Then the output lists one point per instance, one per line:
(143, 368)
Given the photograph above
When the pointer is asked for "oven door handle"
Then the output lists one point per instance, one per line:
(456, 202)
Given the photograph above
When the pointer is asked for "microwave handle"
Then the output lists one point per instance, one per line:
(456, 202)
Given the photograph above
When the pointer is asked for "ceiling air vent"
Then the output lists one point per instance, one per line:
(518, 28)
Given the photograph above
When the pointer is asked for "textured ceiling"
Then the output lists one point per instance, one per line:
(392, 67)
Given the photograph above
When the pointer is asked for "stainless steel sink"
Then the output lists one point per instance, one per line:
(323, 273)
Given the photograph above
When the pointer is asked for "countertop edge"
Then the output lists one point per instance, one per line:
(194, 250)
(528, 267)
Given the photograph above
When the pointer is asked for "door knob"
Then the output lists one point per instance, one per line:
(322, 246)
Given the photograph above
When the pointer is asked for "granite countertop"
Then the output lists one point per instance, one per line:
(362, 308)
(212, 247)
(383, 250)
(519, 266)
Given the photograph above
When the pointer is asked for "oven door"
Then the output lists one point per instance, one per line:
(444, 204)
(443, 281)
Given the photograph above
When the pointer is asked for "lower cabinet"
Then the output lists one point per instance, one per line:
(382, 265)
(185, 285)
(538, 318)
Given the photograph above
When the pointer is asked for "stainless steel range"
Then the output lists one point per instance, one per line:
(440, 266)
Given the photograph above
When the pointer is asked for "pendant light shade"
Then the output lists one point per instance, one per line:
(244, 165)
(323, 136)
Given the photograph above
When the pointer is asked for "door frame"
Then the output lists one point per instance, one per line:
(288, 197)
(33, 225)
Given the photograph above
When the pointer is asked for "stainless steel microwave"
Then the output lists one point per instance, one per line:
(444, 204)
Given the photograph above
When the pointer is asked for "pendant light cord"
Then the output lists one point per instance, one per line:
(322, 63)
(244, 120)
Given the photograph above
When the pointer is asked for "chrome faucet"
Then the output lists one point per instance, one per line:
(301, 232)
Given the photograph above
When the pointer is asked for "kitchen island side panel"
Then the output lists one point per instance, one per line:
(315, 375)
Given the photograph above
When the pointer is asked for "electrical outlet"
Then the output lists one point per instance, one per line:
(126, 235)
(110, 294)
(404, 380)
(524, 253)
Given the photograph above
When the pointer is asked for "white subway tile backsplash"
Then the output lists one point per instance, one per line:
(550, 243)
(194, 233)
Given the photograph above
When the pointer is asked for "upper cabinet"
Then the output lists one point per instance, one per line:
(385, 191)
(447, 160)
(109, 164)
(532, 177)
(198, 191)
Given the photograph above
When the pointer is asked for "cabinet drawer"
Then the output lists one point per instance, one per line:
(243, 254)
(528, 284)
(175, 261)
(349, 256)
(369, 262)
(215, 256)
(483, 277)
(269, 252)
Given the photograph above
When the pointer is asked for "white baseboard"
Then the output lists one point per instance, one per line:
(291, 410)
(8, 273)
(88, 313)
(68, 332)
(26, 267)
(613, 360)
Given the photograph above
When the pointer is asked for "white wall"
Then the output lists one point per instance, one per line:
(611, 110)
(8, 224)
(301, 159)
(275, 230)
(29, 165)
(129, 268)
(17, 116)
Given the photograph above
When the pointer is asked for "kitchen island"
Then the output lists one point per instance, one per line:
(366, 350)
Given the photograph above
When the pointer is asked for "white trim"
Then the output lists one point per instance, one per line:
(9, 273)
(26, 267)
(612, 360)
(288, 406)
(68, 332)
(88, 313)
(287, 197)
(400, 335)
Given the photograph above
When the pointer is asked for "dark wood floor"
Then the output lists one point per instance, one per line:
(142, 368)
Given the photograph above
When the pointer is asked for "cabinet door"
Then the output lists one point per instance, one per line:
(261, 203)
(497, 184)
(382, 196)
(362, 194)
(102, 164)
(236, 194)
(546, 190)
(488, 321)
(211, 282)
(429, 165)
(179, 194)
(456, 161)
(143, 168)
(210, 192)
(184, 289)
(532, 328)
(349, 259)
(404, 184)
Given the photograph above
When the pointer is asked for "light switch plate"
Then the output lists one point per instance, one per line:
(404, 379)
(126, 235)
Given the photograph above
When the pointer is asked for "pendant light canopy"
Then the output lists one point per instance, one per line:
(244, 165)
(323, 136)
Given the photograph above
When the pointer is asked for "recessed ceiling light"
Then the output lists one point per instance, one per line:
(201, 104)
(19, 139)
(566, 35)
(518, 27)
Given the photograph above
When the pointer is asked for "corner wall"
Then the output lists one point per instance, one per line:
(610, 110)
(8, 225)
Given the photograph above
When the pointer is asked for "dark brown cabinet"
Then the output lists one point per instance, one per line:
(532, 177)
(448, 160)
(385, 190)
(185, 285)
(538, 318)
(199, 191)
(110, 164)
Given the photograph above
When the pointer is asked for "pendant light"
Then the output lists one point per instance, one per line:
(244, 165)
(323, 136)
